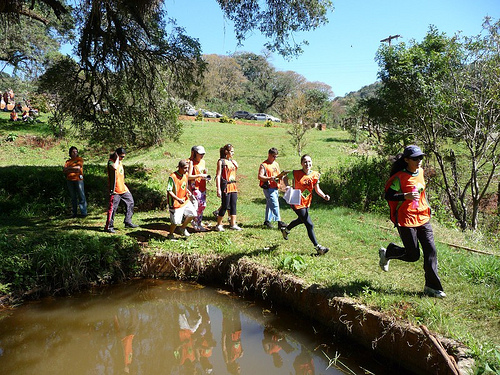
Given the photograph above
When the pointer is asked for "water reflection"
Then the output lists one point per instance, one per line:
(164, 327)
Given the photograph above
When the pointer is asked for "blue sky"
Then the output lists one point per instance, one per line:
(340, 54)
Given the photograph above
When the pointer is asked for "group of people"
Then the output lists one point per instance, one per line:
(7, 103)
(186, 194)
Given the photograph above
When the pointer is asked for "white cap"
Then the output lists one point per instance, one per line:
(199, 149)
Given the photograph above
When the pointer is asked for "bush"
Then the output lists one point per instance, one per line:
(226, 120)
(358, 185)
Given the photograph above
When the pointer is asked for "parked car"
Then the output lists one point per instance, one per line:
(208, 114)
(242, 114)
(264, 117)
(259, 117)
(272, 118)
(191, 112)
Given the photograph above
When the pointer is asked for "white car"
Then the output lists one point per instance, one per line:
(259, 117)
(272, 118)
(208, 114)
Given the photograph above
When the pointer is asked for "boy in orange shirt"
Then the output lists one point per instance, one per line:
(118, 191)
(178, 200)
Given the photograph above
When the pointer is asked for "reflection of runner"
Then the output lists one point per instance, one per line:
(125, 333)
(189, 321)
(273, 342)
(231, 339)
(304, 364)
(205, 341)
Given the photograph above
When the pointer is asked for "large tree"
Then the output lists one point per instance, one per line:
(28, 44)
(264, 86)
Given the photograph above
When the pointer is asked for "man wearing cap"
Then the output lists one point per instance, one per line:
(178, 200)
(118, 191)
(198, 177)
(411, 214)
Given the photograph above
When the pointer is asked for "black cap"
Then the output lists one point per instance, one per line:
(412, 151)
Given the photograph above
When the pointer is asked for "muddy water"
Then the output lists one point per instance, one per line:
(168, 327)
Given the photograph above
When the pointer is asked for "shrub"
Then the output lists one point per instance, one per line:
(226, 120)
(358, 185)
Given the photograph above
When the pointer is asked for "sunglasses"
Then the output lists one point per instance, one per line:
(417, 158)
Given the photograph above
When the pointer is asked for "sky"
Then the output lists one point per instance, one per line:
(341, 53)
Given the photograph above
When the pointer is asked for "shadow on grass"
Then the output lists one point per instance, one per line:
(337, 140)
(30, 191)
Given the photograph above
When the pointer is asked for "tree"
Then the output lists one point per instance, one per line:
(223, 78)
(264, 86)
(474, 91)
(441, 92)
(28, 46)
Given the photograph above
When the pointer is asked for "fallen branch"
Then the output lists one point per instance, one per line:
(449, 360)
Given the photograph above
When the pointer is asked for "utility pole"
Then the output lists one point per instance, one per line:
(390, 38)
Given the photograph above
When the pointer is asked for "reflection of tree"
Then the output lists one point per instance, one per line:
(273, 342)
(304, 364)
(231, 339)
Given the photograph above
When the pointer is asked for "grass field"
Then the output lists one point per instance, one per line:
(470, 314)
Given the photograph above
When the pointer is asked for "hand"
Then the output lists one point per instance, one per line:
(180, 200)
(412, 196)
(326, 197)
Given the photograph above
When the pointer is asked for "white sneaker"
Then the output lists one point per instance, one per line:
(434, 292)
(185, 232)
(383, 261)
(235, 227)
(219, 228)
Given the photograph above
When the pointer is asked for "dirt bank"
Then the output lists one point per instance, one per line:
(409, 346)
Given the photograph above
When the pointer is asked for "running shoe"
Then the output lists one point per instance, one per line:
(383, 261)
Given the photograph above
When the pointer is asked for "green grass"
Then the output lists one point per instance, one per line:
(472, 281)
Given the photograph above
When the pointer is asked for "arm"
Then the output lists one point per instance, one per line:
(218, 176)
(318, 190)
(192, 176)
(262, 174)
(71, 168)
(175, 197)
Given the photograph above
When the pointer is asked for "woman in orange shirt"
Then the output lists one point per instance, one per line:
(411, 214)
(226, 187)
(306, 180)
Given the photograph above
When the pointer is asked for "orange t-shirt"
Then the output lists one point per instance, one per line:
(409, 213)
(229, 174)
(117, 178)
(178, 185)
(305, 183)
(74, 176)
(272, 170)
(199, 183)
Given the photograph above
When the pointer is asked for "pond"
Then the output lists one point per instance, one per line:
(170, 327)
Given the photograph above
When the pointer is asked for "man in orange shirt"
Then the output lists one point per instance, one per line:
(118, 191)
(178, 200)
(73, 169)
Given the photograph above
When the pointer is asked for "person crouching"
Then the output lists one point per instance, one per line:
(178, 200)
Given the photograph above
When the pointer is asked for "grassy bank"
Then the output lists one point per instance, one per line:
(32, 183)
